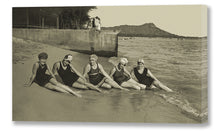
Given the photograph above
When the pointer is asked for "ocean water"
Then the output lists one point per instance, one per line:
(181, 64)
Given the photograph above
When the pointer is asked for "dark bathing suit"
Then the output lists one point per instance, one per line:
(143, 78)
(95, 76)
(120, 76)
(41, 77)
(68, 77)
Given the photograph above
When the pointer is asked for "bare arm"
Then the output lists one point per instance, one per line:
(133, 75)
(56, 66)
(86, 70)
(127, 72)
(103, 72)
(33, 75)
(151, 75)
(77, 72)
(112, 72)
(50, 72)
(160, 84)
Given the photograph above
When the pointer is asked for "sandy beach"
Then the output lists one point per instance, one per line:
(36, 103)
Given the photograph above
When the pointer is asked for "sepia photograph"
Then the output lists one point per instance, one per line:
(130, 64)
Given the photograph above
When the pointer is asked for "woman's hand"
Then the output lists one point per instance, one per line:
(27, 85)
(84, 79)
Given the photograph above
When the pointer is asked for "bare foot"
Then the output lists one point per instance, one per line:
(125, 89)
(77, 94)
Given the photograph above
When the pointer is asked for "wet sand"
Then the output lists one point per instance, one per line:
(39, 104)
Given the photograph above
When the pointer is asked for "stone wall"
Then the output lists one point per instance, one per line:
(104, 43)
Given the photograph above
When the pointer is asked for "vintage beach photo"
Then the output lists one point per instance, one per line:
(139, 64)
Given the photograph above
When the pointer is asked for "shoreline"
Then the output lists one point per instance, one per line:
(39, 104)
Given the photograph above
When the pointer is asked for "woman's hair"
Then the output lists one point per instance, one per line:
(93, 56)
(43, 55)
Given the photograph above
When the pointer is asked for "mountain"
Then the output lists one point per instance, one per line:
(145, 30)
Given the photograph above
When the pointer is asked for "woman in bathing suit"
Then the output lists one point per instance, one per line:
(122, 76)
(144, 76)
(97, 75)
(40, 77)
(70, 76)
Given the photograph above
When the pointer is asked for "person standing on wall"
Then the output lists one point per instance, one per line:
(98, 23)
(90, 24)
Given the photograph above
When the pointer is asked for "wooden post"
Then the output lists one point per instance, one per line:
(39, 15)
(42, 22)
(39, 21)
(57, 22)
(27, 17)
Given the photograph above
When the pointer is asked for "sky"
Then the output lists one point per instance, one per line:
(185, 20)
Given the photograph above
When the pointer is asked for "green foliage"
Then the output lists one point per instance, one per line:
(75, 18)
(69, 17)
(51, 17)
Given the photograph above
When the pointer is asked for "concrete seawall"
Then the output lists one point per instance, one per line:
(104, 43)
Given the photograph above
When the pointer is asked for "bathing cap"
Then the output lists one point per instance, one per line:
(123, 61)
(68, 57)
(140, 61)
(126, 60)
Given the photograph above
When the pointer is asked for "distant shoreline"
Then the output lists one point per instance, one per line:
(167, 37)
(146, 30)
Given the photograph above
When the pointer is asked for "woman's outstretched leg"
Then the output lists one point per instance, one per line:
(88, 85)
(114, 84)
(130, 85)
(79, 85)
(56, 88)
(142, 86)
(106, 86)
(160, 85)
(53, 81)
